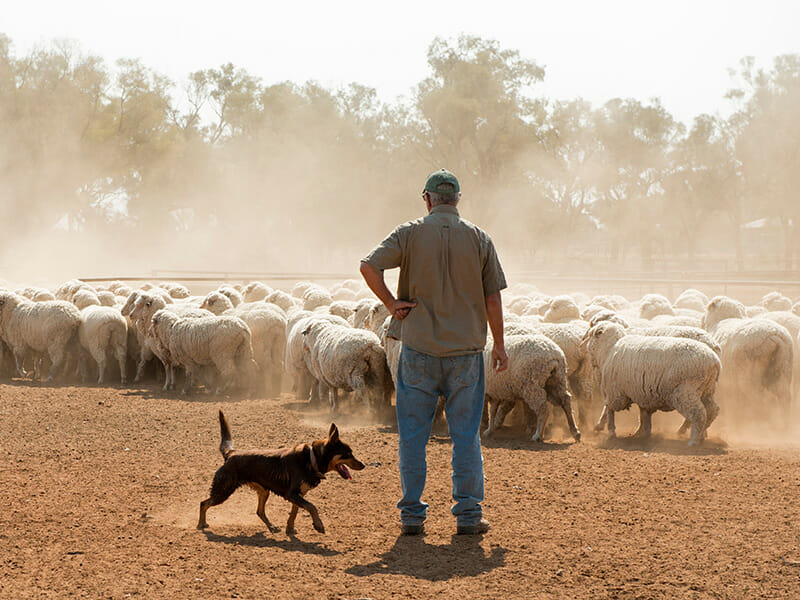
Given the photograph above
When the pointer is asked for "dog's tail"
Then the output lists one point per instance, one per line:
(226, 445)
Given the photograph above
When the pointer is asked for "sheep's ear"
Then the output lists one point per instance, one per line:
(306, 330)
(333, 433)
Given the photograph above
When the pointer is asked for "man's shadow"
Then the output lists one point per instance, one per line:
(411, 555)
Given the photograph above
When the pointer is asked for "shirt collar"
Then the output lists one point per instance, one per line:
(445, 208)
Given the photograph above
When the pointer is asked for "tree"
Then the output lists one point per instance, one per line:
(768, 142)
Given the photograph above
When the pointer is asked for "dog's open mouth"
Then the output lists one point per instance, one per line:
(343, 471)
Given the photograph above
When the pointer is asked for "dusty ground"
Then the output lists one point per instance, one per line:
(101, 486)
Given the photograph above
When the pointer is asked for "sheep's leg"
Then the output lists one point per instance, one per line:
(122, 360)
(227, 372)
(56, 359)
(684, 427)
(601, 422)
(645, 424)
(18, 360)
(712, 410)
(536, 399)
(492, 413)
(334, 398)
(562, 399)
(612, 427)
(687, 402)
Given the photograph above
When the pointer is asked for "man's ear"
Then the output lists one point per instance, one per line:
(333, 434)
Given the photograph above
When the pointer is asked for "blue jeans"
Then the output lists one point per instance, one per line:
(421, 379)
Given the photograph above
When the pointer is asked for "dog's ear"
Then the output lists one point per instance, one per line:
(333, 434)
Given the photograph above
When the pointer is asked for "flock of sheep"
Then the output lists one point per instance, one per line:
(599, 354)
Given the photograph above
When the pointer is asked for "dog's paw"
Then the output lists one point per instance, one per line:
(275, 529)
(202, 525)
(291, 531)
(319, 527)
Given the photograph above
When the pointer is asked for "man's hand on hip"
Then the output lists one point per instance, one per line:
(400, 308)
(499, 358)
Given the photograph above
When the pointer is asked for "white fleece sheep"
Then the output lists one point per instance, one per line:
(343, 308)
(537, 374)
(103, 329)
(652, 305)
(255, 291)
(562, 309)
(84, 297)
(196, 342)
(691, 299)
(34, 329)
(757, 357)
(141, 313)
(353, 360)
(656, 373)
(281, 299)
(232, 293)
(294, 361)
(775, 301)
(315, 297)
(267, 325)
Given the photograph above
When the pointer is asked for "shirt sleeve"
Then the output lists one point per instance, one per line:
(387, 254)
(494, 279)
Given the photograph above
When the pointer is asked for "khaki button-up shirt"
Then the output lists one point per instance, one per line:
(448, 266)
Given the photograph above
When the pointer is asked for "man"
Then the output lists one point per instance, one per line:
(449, 287)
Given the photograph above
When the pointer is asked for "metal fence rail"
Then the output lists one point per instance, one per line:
(748, 286)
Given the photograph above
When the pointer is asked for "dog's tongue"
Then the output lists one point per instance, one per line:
(343, 471)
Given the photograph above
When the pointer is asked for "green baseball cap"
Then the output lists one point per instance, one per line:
(442, 176)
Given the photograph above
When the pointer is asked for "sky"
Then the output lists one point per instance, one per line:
(679, 51)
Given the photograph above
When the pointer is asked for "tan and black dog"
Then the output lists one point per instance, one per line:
(288, 472)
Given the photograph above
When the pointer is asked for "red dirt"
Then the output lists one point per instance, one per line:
(101, 488)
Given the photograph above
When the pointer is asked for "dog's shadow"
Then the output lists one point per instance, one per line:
(259, 540)
(411, 555)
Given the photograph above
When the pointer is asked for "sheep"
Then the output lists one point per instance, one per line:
(567, 337)
(232, 293)
(691, 299)
(562, 310)
(757, 354)
(37, 327)
(654, 304)
(267, 325)
(178, 291)
(141, 313)
(84, 297)
(363, 307)
(343, 308)
(223, 342)
(294, 361)
(537, 374)
(689, 333)
(375, 318)
(255, 291)
(775, 301)
(43, 296)
(299, 289)
(656, 373)
(281, 299)
(103, 328)
(344, 293)
(341, 357)
(106, 298)
(315, 297)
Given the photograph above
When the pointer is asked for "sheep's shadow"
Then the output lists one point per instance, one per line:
(259, 540)
(412, 556)
(659, 444)
(196, 396)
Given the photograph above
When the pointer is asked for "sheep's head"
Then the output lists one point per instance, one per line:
(721, 308)
(598, 341)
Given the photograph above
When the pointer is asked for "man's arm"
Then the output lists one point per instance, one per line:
(494, 314)
(374, 279)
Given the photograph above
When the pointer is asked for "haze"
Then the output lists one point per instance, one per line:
(107, 172)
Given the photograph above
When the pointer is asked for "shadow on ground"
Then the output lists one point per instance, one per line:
(413, 556)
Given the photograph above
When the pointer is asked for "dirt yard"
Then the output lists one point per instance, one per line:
(101, 487)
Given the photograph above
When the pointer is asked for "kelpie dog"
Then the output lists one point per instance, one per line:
(288, 472)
